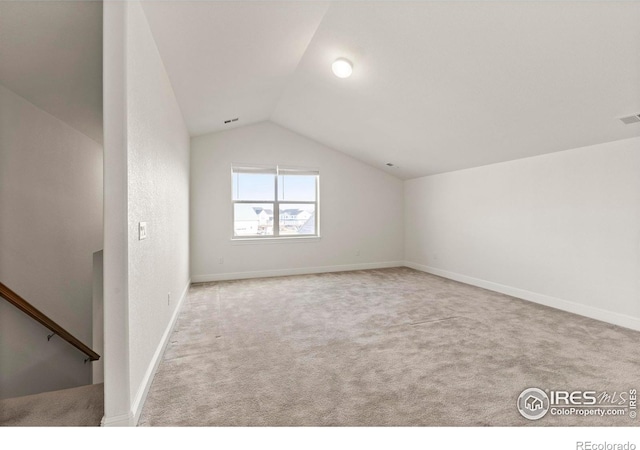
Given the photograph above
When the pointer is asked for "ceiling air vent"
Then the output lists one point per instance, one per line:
(231, 120)
(630, 119)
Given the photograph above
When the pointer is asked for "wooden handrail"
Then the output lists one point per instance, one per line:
(37, 315)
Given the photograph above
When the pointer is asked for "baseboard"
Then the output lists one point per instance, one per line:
(143, 390)
(603, 315)
(124, 420)
(286, 272)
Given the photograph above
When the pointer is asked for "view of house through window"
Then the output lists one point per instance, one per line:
(274, 202)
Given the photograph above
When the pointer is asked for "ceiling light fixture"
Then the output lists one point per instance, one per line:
(342, 68)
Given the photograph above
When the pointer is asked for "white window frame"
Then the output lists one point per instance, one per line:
(276, 171)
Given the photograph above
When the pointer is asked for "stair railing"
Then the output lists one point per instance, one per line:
(40, 317)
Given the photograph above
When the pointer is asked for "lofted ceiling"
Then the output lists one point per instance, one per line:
(436, 86)
(231, 59)
(51, 55)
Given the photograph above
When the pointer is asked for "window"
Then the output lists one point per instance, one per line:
(274, 202)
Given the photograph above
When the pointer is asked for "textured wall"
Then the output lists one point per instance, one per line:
(50, 225)
(564, 225)
(158, 193)
(361, 207)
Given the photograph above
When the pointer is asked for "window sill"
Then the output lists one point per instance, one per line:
(275, 240)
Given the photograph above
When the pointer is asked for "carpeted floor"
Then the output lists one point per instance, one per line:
(77, 407)
(375, 348)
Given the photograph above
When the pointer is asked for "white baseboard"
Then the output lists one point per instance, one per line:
(124, 420)
(143, 389)
(286, 272)
(603, 315)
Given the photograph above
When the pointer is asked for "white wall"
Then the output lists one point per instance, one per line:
(561, 229)
(158, 163)
(154, 146)
(50, 226)
(361, 208)
(117, 398)
(97, 372)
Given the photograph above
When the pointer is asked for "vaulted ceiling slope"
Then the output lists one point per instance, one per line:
(436, 86)
(51, 55)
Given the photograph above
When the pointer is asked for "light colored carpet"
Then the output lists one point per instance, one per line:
(375, 348)
(77, 407)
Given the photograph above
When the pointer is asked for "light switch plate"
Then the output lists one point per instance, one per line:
(142, 230)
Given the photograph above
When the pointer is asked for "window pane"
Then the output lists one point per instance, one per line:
(253, 219)
(297, 219)
(253, 186)
(301, 188)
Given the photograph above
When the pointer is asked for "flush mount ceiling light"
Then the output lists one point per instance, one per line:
(342, 68)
